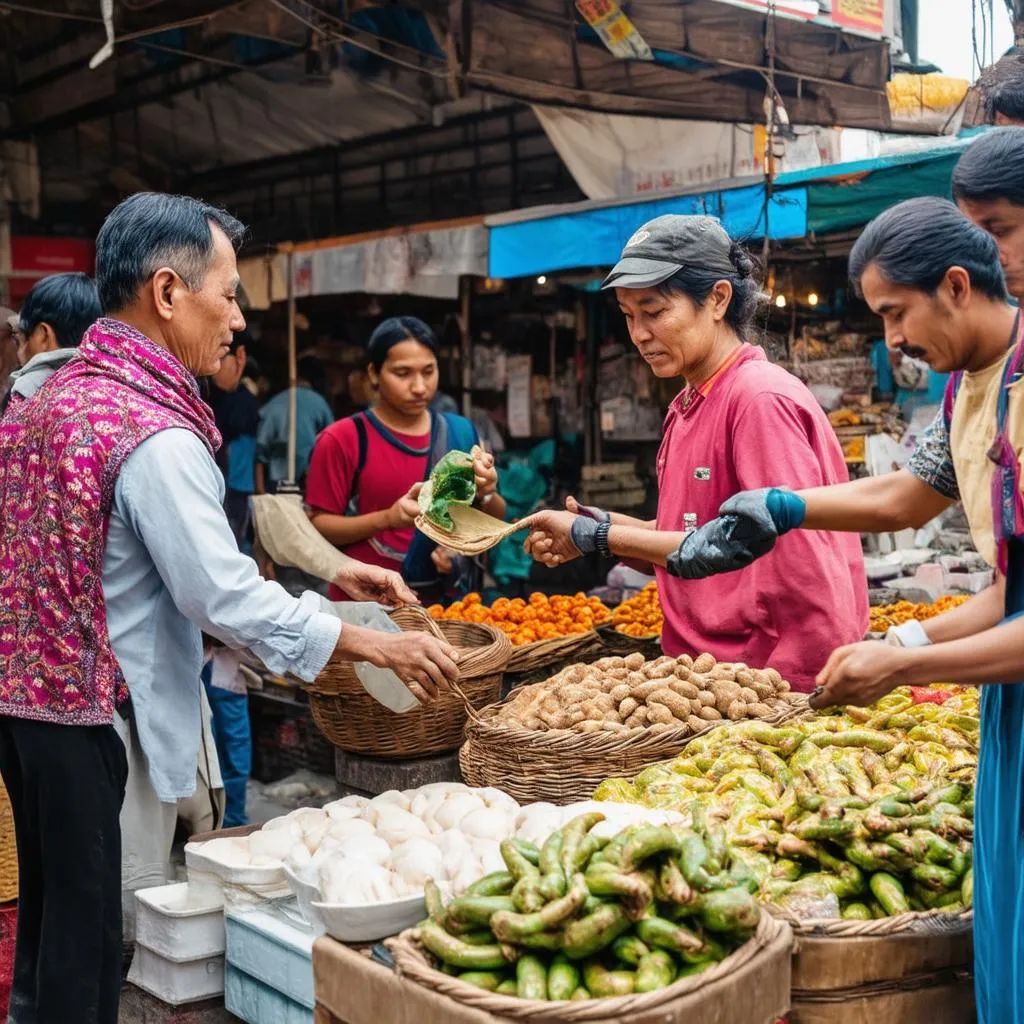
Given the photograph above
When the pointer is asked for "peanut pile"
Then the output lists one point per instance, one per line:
(619, 694)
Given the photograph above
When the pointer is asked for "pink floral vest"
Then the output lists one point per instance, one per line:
(60, 455)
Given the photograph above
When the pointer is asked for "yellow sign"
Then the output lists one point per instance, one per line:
(866, 15)
(614, 29)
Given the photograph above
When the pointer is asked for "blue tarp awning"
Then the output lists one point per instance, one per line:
(594, 237)
(819, 199)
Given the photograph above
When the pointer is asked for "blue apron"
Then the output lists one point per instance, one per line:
(999, 793)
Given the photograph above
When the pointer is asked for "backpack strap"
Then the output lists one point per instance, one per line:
(353, 493)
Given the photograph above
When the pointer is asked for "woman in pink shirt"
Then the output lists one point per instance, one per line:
(688, 295)
(366, 470)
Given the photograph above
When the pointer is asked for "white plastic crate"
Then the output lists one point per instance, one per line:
(181, 922)
(255, 1002)
(273, 951)
(176, 983)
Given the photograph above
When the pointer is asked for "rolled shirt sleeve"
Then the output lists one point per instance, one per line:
(171, 491)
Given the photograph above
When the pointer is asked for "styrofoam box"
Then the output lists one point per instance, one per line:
(176, 983)
(273, 951)
(257, 1003)
(181, 922)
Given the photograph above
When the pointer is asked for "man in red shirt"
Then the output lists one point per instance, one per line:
(688, 296)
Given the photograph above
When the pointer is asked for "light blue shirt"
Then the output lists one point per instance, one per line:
(312, 414)
(172, 568)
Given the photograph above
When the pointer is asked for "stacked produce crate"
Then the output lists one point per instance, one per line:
(613, 486)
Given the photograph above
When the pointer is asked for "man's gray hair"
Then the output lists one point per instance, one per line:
(151, 230)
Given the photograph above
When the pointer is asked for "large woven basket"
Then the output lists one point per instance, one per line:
(560, 766)
(8, 850)
(544, 653)
(352, 720)
(756, 966)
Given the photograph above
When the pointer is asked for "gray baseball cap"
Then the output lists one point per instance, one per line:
(667, 244)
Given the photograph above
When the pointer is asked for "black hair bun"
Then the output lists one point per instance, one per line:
(741, 260)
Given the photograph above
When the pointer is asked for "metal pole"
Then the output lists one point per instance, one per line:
(293, 371)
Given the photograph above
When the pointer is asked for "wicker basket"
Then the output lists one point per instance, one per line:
(560, 766)
(544, 653)
(618, 643)
(352, 720)
(759, 966)
(8, 850)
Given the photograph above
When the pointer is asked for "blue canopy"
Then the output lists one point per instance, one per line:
(593, 237)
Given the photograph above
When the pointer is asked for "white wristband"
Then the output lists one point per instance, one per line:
(909, 634)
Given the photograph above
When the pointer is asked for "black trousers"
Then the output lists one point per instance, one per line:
(66, 785)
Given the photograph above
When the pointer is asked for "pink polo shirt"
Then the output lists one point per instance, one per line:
(758, 426)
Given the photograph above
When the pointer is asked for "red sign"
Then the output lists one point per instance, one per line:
(35, 257)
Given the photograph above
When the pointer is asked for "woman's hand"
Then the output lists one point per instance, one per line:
(485, 472)
(364, 582)
(442, 559)
(550, 540)
(861, 674)
(403, 513)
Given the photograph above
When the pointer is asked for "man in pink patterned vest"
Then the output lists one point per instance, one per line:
(114, 554)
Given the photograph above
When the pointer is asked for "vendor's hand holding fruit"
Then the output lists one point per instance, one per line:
(364, 582)
(861, 674)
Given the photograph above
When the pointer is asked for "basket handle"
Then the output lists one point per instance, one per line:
(431, 627)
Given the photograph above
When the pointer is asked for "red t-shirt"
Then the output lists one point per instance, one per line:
(758, 426)
(386, 476)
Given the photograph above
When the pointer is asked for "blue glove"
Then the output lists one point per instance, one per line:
(748, 527)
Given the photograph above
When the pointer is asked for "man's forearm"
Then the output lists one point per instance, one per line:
(642, 544)
(621, 519)
(260, 478)
(878, 504)
(982, 612)
(342, 531)
(994, 656)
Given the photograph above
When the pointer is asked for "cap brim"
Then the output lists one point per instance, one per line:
(636, 272)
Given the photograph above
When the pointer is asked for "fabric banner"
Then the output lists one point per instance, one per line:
(426, 263)
(616, 155)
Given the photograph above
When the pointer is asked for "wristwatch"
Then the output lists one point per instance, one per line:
(601, 539)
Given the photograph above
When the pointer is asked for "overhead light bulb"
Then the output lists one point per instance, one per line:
(542, 279)
(780, 301)
(812, 298)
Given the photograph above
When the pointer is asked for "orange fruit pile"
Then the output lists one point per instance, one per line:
(640, 616)
(527, 622)
(885, 617)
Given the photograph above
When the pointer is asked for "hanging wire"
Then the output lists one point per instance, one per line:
(771, 116)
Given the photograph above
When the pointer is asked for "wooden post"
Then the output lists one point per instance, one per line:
(465, 350)
(293, 370)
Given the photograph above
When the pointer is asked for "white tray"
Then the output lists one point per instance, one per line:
(370, 921)
(196, 860)
(179, 922)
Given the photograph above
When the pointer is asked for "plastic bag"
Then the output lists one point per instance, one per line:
(452, 480)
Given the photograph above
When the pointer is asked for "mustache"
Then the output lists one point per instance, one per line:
(913, 351)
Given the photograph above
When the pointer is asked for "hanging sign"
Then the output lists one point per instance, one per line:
(864, 15)
(615, 30)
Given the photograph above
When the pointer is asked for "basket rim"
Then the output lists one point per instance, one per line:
(411, 963)
(913, 922)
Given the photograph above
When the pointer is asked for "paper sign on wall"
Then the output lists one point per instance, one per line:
(519, 370)
(615, 30)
